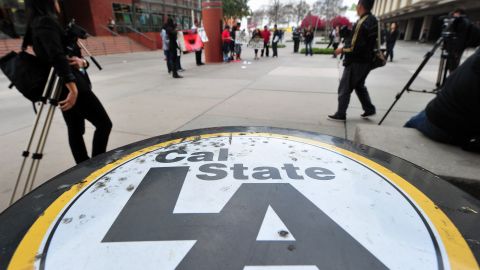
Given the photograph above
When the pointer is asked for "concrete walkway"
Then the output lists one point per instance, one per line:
(293, 91)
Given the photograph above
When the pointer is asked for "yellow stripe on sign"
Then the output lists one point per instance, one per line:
(459, 254)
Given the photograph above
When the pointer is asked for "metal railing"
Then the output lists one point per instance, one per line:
(138, 33)
(142, 35)
(110, 31)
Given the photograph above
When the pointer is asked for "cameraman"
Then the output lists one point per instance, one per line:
(465, 34)
(78, 102)
(453, 116)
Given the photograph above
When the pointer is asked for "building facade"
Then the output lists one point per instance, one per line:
(422, 19)
(95, 15)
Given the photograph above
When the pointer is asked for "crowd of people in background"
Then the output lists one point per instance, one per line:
(270, 39)
(232, 48)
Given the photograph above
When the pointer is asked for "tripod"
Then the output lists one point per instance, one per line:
(50, 95)
(441, 76)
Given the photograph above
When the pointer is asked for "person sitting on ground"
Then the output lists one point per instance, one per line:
(453, 116)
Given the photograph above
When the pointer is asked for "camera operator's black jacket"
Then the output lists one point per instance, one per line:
(49, 42)
(360, 47)
(456, 109)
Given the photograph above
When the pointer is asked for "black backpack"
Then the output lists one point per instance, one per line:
(26, 72)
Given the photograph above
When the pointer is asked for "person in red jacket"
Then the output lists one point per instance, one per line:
(226, 39)
(266, 40)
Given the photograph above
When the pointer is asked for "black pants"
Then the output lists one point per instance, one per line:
(353, 78)
(308, 48)
(275, 49)
(88, 107)
(169, 63)
(177, 62)
(389, 53)
(198, 57)
(296, 46)
(265, 49)
(172, 62)
(335, 47)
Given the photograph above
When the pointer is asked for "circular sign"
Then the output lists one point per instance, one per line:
(243, 198)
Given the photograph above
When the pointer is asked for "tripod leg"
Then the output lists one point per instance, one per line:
(43, 140)
(37, 156)
(412, 79)
(26, 153)
(442, 69)
(446, 71)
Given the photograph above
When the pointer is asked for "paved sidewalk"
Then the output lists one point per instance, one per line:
(293, 91)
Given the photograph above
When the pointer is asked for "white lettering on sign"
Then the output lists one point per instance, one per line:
(106, 227)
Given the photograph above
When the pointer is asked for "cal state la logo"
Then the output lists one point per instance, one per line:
(246, 201)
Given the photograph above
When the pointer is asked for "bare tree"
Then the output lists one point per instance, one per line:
(300, 10)
(258, 16)
(328, 9)
(275, 11)
(289, 13)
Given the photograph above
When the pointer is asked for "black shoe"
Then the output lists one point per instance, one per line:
(337, 117)
(176, 76)
(368, 114)
(200, 64)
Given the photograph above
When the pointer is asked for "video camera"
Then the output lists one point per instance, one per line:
(452, 25)
(73, 32)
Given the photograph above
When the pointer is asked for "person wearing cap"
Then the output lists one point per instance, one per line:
(358, 56)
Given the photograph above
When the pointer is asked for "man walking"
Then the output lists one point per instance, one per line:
(359, 53)
(391, 39)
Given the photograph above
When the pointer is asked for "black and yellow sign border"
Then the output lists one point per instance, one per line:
(459, 254)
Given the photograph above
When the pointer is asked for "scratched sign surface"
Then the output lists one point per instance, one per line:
(251, 200)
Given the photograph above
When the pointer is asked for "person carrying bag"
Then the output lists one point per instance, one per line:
(77, 101)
